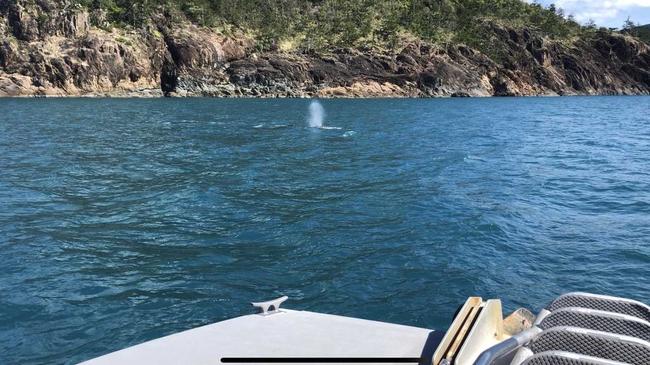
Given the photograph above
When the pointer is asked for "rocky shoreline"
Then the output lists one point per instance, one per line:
(65, 56)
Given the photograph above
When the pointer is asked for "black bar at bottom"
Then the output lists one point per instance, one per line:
(311, 360)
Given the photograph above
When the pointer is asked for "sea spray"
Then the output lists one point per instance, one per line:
(316, 114)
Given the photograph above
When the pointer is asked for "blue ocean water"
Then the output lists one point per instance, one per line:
(126, 220)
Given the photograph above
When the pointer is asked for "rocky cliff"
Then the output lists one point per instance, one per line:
(48, 48)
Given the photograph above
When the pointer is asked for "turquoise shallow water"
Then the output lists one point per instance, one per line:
(125, 220)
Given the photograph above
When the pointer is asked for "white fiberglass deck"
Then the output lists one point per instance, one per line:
(283, 334)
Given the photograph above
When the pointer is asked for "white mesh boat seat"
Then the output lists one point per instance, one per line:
(595, 344)
(601, 302)
(620, 324)
(580, 329)
(564, 358)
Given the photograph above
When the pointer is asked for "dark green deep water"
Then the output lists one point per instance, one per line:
(125, 220)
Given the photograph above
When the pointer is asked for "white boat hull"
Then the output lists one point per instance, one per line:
(285, 333)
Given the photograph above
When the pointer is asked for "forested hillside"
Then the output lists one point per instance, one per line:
(643, 32)
(305, 48)
(309, 24)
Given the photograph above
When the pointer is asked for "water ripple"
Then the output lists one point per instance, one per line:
(126, 220)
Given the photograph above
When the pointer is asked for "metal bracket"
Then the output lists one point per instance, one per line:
(270, 306)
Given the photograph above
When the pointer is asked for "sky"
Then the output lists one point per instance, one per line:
(608, 13)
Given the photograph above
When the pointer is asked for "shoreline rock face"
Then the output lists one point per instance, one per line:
(62, 55)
